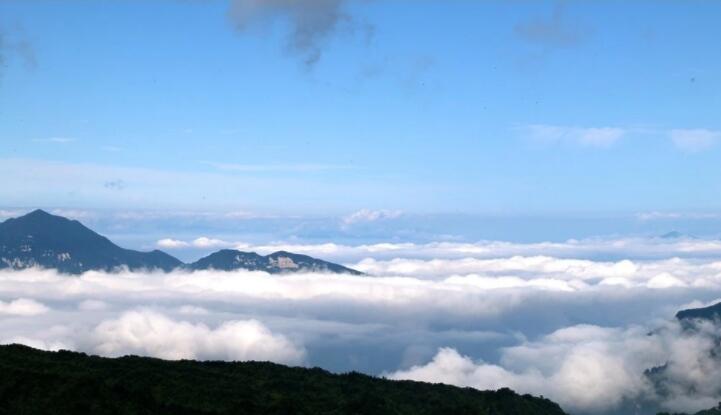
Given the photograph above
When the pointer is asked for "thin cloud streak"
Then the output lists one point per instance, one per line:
(584, 136)
(55, 140)
(270, 168)
(685, 140)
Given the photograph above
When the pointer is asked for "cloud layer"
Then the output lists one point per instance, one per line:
(594, 248)
(540, 318)
(589, 368)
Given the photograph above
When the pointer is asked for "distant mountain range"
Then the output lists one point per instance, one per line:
(49, 241)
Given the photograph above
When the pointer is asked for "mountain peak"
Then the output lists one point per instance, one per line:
(39, 222)
(37, 213)
(276, 263)
(40, 219)
(42, 239)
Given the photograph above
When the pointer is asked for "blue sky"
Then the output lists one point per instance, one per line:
(539, 109)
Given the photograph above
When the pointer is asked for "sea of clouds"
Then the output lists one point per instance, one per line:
(578, 322)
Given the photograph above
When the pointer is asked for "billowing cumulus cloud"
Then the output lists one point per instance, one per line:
(22, 307)
(584, 368)
(150, 333)
(594, 369)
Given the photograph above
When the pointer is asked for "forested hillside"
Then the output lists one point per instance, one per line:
(39, 382)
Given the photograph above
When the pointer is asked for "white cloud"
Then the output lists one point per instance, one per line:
(556, 267)
(367, 215)
(169, 243)
(585, 248)
(592, 369)
(23, 307)
(204, 242)
(585, 136)
(201, 243)
(150, 333)
(694, 140)
(665, 280)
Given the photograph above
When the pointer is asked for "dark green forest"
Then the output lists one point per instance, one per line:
(40, 382)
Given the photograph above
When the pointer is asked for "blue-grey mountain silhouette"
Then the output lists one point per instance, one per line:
(50, 241)
(712, 313)
(275, 263)
(40, 239)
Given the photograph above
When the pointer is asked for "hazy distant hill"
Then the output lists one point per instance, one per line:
(38, 382)
(50, 241)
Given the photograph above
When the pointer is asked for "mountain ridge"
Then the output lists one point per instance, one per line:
(276, 263)
(41, 382)
(54, 242)
(712, 313)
